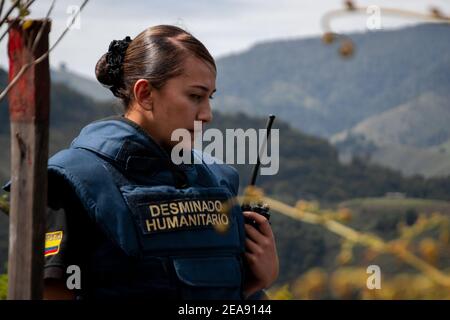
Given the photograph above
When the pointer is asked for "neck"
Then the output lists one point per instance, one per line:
(142, 120)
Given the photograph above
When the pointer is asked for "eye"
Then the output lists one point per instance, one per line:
(211, 97)
(195, 97)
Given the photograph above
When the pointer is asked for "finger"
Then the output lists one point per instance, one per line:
(263, 223)
(251, 258)
(254, 234)
(252, 246)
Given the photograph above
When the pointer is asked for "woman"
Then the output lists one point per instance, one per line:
(136, 224)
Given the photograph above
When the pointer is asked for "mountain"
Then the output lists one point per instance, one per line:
(83, 85)
(421, 122)
(409, 161)
(307, 84)
(309, 166)
(410, 137)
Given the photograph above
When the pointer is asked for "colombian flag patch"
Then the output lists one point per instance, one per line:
(52, 242)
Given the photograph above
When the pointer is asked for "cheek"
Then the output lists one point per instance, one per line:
(175, 105)
(178, 113)
(183, 109)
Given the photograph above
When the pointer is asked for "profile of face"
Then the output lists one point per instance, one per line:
(181, 101)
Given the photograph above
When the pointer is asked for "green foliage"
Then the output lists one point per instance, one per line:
(3, 286)
(303, 247)
(3, 241)
(309, 169)
(4, 203)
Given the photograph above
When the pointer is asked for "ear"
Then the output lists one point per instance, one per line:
(143, 94)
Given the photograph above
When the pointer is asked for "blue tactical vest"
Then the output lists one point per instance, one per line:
(165, 218)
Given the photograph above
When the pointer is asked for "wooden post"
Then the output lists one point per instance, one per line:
(29, 102)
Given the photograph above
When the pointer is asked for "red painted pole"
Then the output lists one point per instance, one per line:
(29, 102)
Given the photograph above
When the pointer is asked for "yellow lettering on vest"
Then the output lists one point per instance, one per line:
(183, 221)
(161, 226)
(218, 206)
(208, 219)
(165, 209)
(192, 220)
(197, 206)
(154, 210)
(174, 208)
(172, 222)
(224, 219)
(151, 225)
(184, 206)
(215, 218)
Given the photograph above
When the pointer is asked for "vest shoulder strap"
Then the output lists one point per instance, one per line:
(95, 186)
(223, 173)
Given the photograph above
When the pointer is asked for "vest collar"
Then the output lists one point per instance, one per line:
(125, 143)
(118, 138)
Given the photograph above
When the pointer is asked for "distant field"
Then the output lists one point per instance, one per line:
(385, 204)
(443, 148)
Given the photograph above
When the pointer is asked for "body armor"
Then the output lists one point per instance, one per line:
(179, 229)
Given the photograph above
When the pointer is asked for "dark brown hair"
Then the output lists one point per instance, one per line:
(156, 54)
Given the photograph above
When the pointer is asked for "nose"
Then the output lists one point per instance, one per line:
(205, 113)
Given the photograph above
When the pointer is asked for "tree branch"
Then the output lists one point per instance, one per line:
(1, 7)
(14, 5)
(42, 57)
(9, 27)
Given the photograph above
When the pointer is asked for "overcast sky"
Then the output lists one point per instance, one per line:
(224, 26)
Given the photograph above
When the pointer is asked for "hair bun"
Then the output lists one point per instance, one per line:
(109, 69)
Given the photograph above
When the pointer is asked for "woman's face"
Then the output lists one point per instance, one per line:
(183, 100)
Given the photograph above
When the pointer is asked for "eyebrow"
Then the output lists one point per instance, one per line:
(203, 88)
